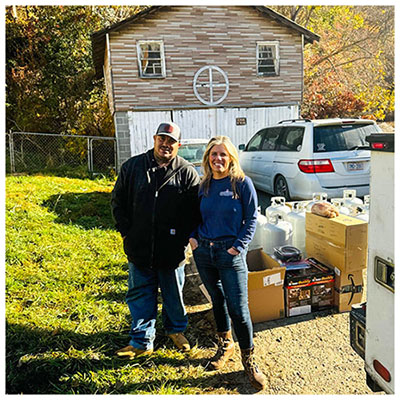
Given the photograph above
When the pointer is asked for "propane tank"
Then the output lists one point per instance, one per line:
(276, 232)
(366, 201)
(317, 197)
(350, 199)
(257, 241)
(297, 217)
(277, 204)
(360, 212)
(339, 204)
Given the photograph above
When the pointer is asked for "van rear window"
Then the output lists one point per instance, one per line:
(342, 137)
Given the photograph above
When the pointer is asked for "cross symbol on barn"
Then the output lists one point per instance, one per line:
(211, 84)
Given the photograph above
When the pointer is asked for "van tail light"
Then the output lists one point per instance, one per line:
(315, 166)
(382, 371)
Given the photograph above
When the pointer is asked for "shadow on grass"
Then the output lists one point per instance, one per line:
(86, 210)
(41, 361)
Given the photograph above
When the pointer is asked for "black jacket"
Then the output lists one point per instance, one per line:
(155, 218)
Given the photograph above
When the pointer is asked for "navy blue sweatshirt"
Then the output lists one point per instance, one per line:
(224, 217)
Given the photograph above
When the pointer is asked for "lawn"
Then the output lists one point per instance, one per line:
(66, 278)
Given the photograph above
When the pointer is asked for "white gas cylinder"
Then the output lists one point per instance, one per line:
(350, 199)
(257, 241)
(360, 212)
(297, 217)
(320, 196)
(338, 202)
(277, 204)
(276, 232)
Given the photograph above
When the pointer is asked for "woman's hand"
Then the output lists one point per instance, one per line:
(193, 243)
(232, 251)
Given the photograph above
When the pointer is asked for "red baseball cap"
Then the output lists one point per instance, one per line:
(169, 129)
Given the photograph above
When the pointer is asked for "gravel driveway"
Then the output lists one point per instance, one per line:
(306, 354)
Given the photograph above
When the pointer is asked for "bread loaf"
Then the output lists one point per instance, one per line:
(324, 209)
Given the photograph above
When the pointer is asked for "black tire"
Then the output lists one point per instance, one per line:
(281, 187)
(372, 384)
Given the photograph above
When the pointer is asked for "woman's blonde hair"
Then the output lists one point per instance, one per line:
(235, 171)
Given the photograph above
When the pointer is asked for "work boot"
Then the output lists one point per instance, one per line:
(180, 341)
(131, 352)
(226, 349)
(256, 377)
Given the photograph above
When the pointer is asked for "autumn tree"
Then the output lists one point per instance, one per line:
(351, 70)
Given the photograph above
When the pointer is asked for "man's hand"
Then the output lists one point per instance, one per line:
(193, 243)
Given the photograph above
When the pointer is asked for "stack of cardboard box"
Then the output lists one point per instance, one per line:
(341, 243)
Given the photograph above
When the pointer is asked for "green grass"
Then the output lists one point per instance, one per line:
(66, 278)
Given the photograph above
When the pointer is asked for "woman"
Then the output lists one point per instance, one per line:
(228, 205)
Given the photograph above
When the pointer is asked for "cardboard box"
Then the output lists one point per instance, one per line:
(322, 295)
(344, 301)
(265, 287)
(344, 280)
(308, 289)
(349, 287)
(343, 230)
(349, 259)
(298, 300)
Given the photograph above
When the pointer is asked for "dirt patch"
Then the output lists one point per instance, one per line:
(309, 354)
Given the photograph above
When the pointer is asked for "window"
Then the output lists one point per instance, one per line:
(270, 136)
(268, 58)
(291, 139)
(151, 59)
(341, 137)
(255, 141)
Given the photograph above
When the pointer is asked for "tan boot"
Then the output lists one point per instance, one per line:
(226, 349)
(256, 377)
(131, 352)
(180, 341)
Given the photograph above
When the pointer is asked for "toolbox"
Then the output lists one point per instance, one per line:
(357, 328)
(309, 286)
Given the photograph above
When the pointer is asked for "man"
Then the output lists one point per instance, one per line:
(155, 207)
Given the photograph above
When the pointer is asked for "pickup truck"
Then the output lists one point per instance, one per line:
(372, 323)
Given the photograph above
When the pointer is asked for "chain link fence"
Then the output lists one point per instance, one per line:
(47, 152)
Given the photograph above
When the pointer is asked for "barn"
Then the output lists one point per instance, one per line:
(213, 70)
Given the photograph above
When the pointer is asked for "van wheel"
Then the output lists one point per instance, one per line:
(281, 187)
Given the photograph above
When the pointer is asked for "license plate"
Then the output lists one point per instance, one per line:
(355, 166)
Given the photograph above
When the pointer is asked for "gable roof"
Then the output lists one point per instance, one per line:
(99, 38)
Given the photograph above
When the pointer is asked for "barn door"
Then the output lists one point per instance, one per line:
(196, 123)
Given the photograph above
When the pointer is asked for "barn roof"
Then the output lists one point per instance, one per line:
(99, 38)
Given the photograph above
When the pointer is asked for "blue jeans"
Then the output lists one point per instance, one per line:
(225, 278)
(141, 298)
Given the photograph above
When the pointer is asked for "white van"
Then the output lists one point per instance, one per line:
(296, 158)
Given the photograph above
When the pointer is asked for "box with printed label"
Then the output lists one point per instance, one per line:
(349, 287)
(352, 258)
(265, 287)
(308, 289)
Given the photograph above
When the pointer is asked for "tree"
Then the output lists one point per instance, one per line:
(50, 76)
(351, 70)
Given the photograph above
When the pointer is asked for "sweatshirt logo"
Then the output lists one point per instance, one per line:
(226, 193)
(172, 231)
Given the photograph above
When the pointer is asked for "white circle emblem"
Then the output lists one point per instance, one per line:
(210, 77)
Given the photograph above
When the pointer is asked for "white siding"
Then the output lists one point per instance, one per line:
(206, 123)
(143, 126)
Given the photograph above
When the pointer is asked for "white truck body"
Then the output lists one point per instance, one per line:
(379, 329)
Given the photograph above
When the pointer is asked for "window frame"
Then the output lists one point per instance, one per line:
(142, 74)
(272, 43)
